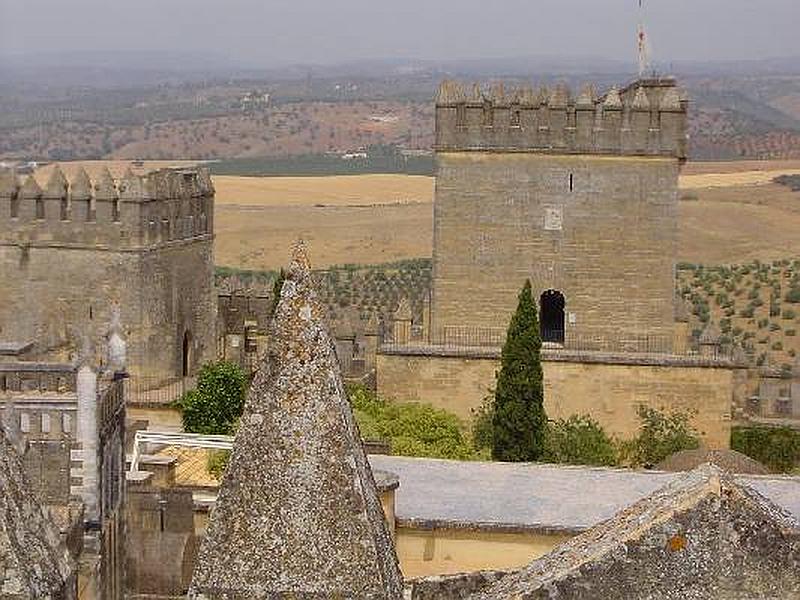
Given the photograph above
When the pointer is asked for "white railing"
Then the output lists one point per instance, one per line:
(186, 440)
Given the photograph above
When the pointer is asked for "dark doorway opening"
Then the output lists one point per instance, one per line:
(551, 307)
(186, 367)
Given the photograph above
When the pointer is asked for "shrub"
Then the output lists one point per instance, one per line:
(659, 436)
(747, 312)
(776, 448)
(793, 295)
(214, 407)
(412, 429)
(519, 420)
(790, 332)
(777, 346)
(579, 440)
(788, 314)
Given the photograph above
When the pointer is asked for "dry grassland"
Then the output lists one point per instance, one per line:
(735, 215)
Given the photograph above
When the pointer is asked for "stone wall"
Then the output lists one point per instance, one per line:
(426, 552)
(609, 388)
(601, 230)
(64, 275)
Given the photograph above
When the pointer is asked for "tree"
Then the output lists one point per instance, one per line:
(216, 405)
(519, 420)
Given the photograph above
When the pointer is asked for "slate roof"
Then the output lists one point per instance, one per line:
(534, 497)
(298, 513)
(704, 535)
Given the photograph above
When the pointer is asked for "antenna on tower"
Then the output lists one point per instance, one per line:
(643, 44)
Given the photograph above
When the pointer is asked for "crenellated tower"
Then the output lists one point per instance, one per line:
(577, 192)
(71, 248)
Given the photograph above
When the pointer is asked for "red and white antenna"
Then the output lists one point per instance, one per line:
(643, 44)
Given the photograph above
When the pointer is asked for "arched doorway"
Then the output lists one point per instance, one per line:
(186, 354)
(551, 311)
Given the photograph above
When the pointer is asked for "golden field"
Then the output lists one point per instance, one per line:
(731, 212)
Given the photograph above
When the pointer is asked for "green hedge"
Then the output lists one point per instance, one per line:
(777, 448)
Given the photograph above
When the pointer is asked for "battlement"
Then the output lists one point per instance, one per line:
(644, 118)
(134, 211)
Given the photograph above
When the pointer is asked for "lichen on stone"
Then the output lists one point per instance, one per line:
(298, 513)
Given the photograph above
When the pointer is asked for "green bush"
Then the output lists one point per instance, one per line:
(659, 436)
(579, 440)
(776, 448)
(788, 314)
(214, 407)
(793, 295)
(411, 429)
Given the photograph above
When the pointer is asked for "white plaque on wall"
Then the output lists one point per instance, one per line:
(553, 218)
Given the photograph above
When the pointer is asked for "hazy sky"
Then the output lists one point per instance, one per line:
(266, 32)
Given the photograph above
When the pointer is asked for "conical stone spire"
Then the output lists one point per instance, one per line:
(298, 514)
(56, 185)
(81, 188)
(33, 563)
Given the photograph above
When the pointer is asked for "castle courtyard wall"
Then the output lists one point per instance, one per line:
(609, 388)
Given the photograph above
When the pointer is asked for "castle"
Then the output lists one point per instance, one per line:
(579, 195)
(72, 252)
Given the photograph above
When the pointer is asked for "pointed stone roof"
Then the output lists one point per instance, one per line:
(497, 93)
(56, 185)
(30, 189)
(33, 563)
(640, 100)
(705, 535)
(477, 93)
(298, 513)
(527, 97)
(80, 188)
(544, 95)
(671, 100)
(104, 188)
(403, 310)
(559, 98)
(613, 101)
(586, 97)
(450, 92)
(8, 182)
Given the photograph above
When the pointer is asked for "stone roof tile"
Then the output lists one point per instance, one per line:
(298, 513)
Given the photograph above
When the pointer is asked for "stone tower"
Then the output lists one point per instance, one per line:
(576, 193)
(71, 251)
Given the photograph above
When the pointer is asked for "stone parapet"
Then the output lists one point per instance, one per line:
(645, 118)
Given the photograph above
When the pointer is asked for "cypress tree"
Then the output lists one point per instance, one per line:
(519, 421)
